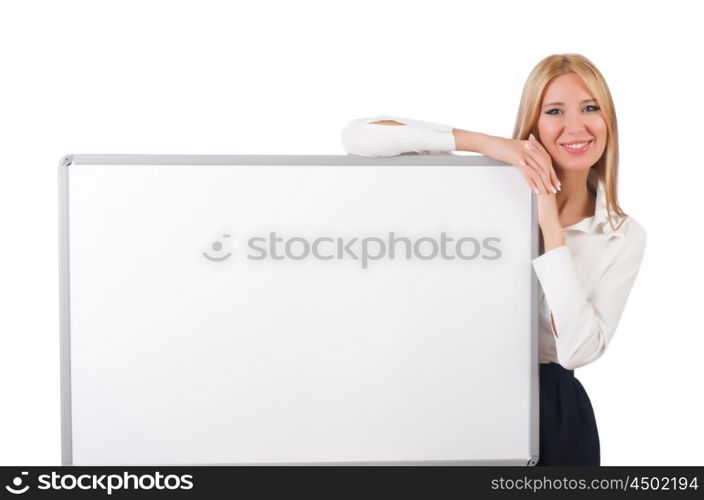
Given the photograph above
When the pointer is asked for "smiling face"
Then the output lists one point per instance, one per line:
(569, 116)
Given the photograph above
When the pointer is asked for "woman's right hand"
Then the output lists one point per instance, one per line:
(515, 152)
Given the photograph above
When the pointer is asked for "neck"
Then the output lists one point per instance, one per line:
(574, 197)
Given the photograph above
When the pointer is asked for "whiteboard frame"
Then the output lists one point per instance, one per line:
(405, 159)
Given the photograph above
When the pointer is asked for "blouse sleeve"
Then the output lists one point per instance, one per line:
(585, 325)
(361, 137)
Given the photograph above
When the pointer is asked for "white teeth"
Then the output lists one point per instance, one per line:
(579, 145)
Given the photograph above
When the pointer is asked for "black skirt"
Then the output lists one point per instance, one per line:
(568, 430)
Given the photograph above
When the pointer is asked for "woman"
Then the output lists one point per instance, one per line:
(565, 143)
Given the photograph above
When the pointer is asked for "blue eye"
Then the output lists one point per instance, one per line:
(596, 108)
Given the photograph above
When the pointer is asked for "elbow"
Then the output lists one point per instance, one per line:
(584, 354)
(352, 139)
(572, 363)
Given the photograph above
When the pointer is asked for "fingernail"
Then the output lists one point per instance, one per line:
(553, 190)
(536, 190)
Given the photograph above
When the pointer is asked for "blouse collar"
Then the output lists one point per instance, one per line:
(599, 222)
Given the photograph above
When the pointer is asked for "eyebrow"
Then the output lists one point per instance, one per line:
(562, 103)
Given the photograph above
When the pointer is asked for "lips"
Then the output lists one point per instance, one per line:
(585, 145)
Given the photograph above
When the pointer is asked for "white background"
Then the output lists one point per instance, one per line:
(216, 77)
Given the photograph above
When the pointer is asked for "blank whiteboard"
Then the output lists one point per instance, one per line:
(240, 310)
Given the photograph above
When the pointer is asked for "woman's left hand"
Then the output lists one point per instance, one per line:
(538, 157)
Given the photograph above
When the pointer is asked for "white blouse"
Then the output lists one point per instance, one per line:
(584, 283)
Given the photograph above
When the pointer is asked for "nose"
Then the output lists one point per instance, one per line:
(575, 124)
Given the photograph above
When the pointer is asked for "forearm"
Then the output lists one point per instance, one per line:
(476, 142)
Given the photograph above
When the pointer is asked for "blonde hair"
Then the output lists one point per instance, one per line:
(606, 168)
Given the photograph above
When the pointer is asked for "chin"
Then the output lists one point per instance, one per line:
(578, 163)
